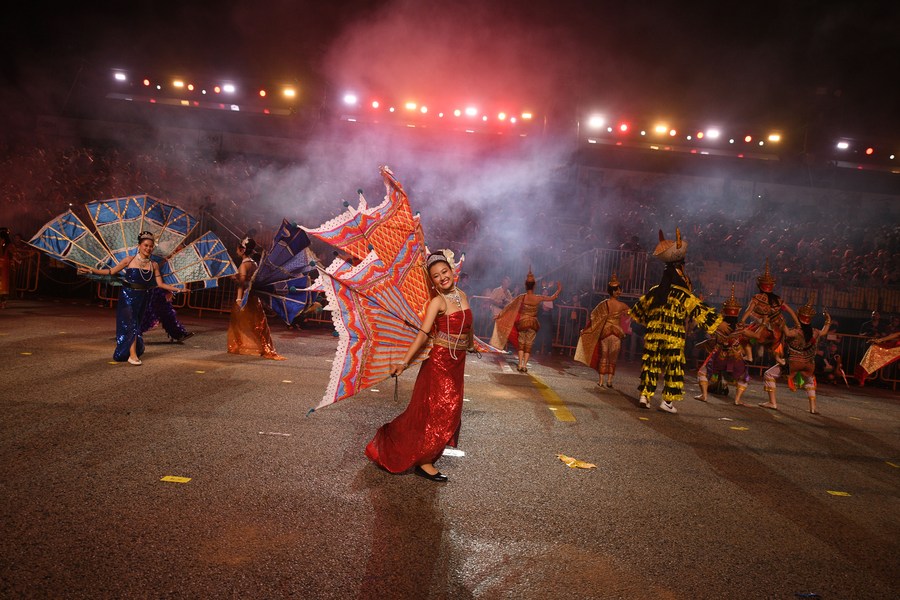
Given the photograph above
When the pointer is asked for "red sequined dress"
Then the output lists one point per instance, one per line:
(431, 420)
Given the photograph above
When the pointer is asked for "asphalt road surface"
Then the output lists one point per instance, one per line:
(717, 501)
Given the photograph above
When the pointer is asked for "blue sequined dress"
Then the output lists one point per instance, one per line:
(133, 299)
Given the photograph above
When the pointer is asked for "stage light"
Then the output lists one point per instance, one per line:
(217, 90)
(190, 87)
(391, 109)
(120, 76)
(748, 138)
(623, 127)
(440, 115)
(761, 143)
(661, 128)
(731, 140)
(774, 137)
(350, 99)
(146, 82)
(643, 132)
(596, 121)
(673, 133)
(870, 151)
(423, 110)
(513, 120)
(609, 130)
(699, 135)
(843, 145)
(484, 118)
(178, 83)
(158, 87)
(472, 111)
(457, 112)
(712, 133)
(688, 137)
(262, 93)
(502, 116)
(229, 88)
(527, 115)
(410, 106)
(892, 157)
(289, 92)
(375, 104)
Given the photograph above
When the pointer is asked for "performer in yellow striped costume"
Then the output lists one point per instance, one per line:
(664, 310)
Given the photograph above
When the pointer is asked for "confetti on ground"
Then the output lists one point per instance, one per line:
(725, 419)
(834, 493)
(453, 452)
(856, 418)
(643, 418)
(574, 463)
(286, 381)
(466, 400)
(274, 433)
(112, 362)
(737, 428)
(25, 353)
(375, 390)
(200, 372)
(892, 464)
(175, 479)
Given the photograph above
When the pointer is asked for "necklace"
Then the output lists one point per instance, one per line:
(454, 295)
(143, 262)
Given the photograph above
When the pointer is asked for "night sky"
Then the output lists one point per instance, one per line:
(771, 62)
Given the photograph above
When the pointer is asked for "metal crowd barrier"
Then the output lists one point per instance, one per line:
(570, 320)
(26, 271)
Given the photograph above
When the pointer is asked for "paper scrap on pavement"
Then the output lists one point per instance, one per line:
(574, 463)
(175, 479)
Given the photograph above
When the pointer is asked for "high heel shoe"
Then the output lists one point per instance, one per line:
(439, 477)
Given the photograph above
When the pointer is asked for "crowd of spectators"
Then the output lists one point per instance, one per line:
(803, 246)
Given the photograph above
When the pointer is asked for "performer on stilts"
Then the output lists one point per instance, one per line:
(801, 345)
(664, 310)
(600, 342)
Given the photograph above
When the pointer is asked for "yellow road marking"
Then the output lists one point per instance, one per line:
(643, 418)
(556, 405)
(834, 493)
(740, 428)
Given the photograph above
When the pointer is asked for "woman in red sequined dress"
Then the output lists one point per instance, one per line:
(418, 436)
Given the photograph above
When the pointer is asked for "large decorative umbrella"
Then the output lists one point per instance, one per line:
(282, 280)
(377, 304)
(119, 221)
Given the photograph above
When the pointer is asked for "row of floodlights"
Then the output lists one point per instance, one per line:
(287, 91)
(597, 123)
(351, 99)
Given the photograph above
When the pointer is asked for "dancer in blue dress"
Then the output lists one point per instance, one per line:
(140, 274)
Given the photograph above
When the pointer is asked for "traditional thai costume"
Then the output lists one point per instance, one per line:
(248, 329)
(601, 341)
(877, 357)
(726, 355)
(133, 298)
(431, 421)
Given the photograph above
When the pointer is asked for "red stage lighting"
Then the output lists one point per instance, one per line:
(262, 93)
(623, 127)
(870, 151)
(748, 138)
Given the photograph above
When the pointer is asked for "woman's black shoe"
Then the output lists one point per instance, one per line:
(184, 337)
(436, 477)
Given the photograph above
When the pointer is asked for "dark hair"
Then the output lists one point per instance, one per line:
(611, 288)
(434, 258)
(529, 285)
(146, 235)
(248, 244)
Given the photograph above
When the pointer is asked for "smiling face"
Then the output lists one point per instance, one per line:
(441, 277)
(145, 248)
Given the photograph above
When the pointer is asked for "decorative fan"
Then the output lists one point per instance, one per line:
(118, 222)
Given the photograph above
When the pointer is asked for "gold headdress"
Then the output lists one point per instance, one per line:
(613, 281)
(731, 307)
(668, 250)
(530, 277)
(807, 311)
(765, 281)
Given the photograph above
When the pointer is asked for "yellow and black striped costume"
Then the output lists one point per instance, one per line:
(664, 339)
